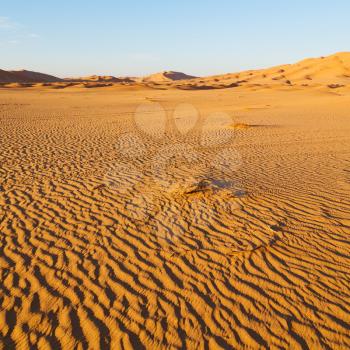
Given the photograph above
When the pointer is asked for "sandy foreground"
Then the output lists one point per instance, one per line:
(135, 218)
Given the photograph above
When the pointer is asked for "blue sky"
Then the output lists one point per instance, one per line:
(134, 37)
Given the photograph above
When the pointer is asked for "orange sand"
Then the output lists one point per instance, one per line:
(96, 252)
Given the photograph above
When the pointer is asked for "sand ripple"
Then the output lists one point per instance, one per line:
(95, 255)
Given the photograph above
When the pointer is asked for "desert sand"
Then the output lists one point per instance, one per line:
(194, 215)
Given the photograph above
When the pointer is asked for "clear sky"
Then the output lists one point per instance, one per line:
(139, 37)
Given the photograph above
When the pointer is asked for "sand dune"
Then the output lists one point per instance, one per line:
(166, 76)
(137, 218)
(330, 71)
(24, 76)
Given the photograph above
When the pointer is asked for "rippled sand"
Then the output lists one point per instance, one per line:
(169, 229)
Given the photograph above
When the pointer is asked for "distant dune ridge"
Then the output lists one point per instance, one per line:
(167, 76)
(332, 71)
(25, 76)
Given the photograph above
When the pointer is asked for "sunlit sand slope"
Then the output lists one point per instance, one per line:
(332, 71)
(122, 231)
